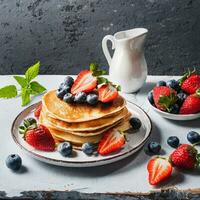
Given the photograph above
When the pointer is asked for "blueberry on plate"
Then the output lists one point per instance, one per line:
(80, 97)
(14, 162)
(66, 89)
(69, 81)
(135, 123)
(173, 141)
(92, 99)
(193, 137)
(181, 97)
(65, 149)
(61, 86)
(161, 83)
(174, 85)
(175, 109)
(154, 147)
(150, 97)
(68, 98)
(60, 93)
(87, 148)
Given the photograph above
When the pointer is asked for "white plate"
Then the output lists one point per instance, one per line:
(136, 140)
(175, 116)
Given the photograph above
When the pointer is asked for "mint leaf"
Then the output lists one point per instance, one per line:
(21, 80)
(93, 67)
(102, 80)
(25, 93)
(36, 88)
(32, 72)
(9, 91)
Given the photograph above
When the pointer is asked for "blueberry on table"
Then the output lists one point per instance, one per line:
(68, 98)
(92, 99)
(135, 123)
(193, 137)
(87, 148)
(65, 149)
(181, 97)
(150, 97)
(173, 141)
(174, 85)
(14, 162)
(80, 97)
(60, 93)
(69, 81)
(175, 109)
(154, 147)
(161, 83)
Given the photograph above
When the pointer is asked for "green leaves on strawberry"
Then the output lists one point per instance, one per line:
(28, 87)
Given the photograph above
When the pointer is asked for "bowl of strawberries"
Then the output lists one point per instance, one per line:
(177, 99)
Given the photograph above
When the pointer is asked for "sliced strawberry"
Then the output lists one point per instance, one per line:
(40, 138)
(112, 141)
(107, 93)
(159, 169)
(38, 111)
(85, 82)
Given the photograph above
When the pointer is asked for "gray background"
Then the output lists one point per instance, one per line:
(65, 35)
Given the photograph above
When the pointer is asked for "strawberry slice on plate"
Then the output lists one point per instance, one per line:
(107, 93)
(159, 169)
(112, 141)
(85, 82)
(38, 111)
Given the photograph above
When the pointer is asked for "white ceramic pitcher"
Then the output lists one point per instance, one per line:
(127, 67)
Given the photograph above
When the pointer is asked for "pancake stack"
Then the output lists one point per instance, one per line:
(81, 123)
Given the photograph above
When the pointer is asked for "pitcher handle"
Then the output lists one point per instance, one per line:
(105, 47)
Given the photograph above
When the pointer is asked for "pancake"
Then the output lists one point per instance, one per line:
(84, 126)
(79, 112)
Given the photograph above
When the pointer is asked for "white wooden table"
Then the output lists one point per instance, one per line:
(128, 176)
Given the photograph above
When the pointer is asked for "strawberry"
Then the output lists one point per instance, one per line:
(112, 141)
(191, 104)
(164, 97)
(40, 138)
(185, 157)
(159, 169)
(85, 82)
(38, 111)
(107, 93)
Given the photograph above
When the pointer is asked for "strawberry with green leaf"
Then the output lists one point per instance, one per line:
(28, 86)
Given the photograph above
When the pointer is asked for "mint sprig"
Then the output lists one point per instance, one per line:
(28, 87)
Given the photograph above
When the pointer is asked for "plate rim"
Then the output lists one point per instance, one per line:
(42, 158)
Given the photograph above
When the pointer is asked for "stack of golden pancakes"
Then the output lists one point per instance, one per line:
(81, 123)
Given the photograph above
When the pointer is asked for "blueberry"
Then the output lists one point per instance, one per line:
(80, 97)
(65, 149)
(174, 85)
(181, 97)
(68, 98)
(161, 83)
(87, 148)
(193, 137)
(92, 99)
(135, 123)
(69, 81)
(14, 162)
(60, 93)
(61, 86)
(66, 89)
(150, 97)
(29, 121)
(154, 147)
(175, 109)
(173, 141)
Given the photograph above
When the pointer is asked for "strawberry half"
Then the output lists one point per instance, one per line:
(191, 104)
(164, 97)
(107, 93)
(159, 169)
(112, 141)
(40, 138)
(38, 111)
(85, 82)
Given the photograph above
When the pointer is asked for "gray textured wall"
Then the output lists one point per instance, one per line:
(65, 35)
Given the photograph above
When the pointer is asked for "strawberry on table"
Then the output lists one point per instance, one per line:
(164, 97)
(159, 169)
(191, 104)
(38, 111)
(112, 141)
(185, 157)
(107, 93)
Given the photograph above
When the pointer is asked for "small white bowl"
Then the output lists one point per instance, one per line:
(178, 117)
